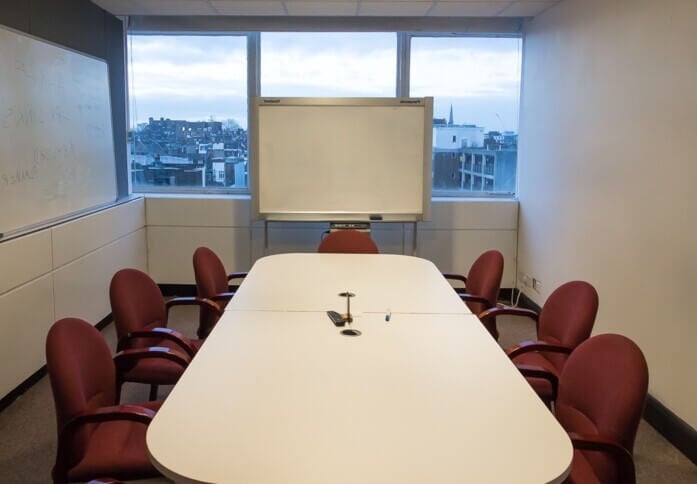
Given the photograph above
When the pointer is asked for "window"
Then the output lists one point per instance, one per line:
(328, 64)
(188, 100)
(475, 83)
(188, 110)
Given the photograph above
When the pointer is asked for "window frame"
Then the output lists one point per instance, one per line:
(405, 29)
(252, 44)
(451, 194)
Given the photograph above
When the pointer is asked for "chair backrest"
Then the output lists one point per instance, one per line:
(602, 391)
(136, 302)
(211, 279)
(484, 280)
(567, 317)
(81, 372)
(348, 242)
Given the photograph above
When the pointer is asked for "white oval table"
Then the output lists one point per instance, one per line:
(280, 396)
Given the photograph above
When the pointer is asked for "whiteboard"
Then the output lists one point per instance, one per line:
(56, 140)
(333, 159)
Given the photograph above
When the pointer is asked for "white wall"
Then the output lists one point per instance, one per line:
(59, 272)
(458, 233)
(608, 171)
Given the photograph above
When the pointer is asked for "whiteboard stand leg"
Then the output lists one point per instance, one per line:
(404, 239)
(266, 237)
(414, 242)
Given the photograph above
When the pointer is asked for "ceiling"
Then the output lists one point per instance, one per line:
(330, 8)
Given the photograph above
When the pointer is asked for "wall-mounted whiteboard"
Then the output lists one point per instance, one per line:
(334, 159)
(56, 139)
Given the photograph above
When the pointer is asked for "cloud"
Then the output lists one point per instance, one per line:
(194, 77)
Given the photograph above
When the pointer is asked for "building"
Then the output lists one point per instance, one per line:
(167, 152)
(467, 159)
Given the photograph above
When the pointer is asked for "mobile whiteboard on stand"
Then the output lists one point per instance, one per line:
(341, 159)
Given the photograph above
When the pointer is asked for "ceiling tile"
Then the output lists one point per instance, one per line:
(175, 7)
(366, 8)
(527, 8)
(310, 8)
(248, 7)
(468, 9)
(394, 8)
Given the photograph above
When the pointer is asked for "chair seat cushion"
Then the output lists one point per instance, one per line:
(156, 371)
(159, 371)
(541, 386)
(115, 449)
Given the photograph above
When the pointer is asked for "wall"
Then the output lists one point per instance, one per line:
(458, 233)
(607, 171)
(65, 270)
(60, 272)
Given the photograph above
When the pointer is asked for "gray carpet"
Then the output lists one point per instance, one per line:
(28, 429)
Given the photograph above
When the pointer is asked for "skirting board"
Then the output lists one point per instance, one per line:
(673, 428)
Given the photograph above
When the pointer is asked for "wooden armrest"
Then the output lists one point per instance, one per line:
(455, 277)
(529, 346)
(622, 456)
(535, 371)
(105, 480)
(134, 413)
(159, 333)
(193, 301)
(124, 360)
(473, 298)
(223, 296)
(493, 313)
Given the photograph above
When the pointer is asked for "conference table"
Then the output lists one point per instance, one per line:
(278, 395)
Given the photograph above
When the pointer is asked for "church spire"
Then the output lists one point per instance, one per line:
(450, 120)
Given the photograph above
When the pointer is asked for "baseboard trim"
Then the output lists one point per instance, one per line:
(525, 302)
(675, 430)
(506, 294)
(22, 388)
(184, 290)
(8, 399)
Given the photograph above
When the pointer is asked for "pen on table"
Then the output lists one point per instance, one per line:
(388, 315)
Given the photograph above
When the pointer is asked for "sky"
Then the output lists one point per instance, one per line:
(204, 77)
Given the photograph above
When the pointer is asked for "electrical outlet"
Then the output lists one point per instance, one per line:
(537, 285)
(524, 279)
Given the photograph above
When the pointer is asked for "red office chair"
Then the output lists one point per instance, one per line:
(602, 393)
(564, 322)
(482, 284)
(212, 283)
(96, 436)
(140, 316)
(348, 242)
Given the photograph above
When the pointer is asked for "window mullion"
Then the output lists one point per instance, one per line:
(403, 55)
